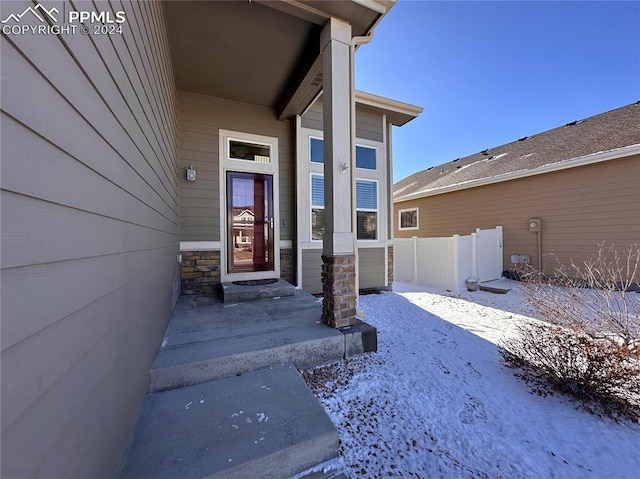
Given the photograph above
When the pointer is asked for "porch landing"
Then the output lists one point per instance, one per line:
(232, 292)
(209, 339)
(225, 397)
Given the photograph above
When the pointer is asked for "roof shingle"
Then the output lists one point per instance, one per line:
(604, 132)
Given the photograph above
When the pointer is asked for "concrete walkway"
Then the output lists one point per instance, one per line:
(226, 399)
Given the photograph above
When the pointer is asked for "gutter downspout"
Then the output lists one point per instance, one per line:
(355, 41)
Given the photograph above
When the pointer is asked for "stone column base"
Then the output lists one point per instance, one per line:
(390, 268)
(339, 290)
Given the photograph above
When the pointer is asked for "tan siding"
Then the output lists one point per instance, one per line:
(311, 271)
(89, 236)
(579, 207)
(371, 267)
(368, 124)
(201, 119)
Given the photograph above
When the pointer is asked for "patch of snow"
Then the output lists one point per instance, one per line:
(262, 417)
(399, 191)
(437, 401)
(188, 405)
(331, 466)
(462, 167)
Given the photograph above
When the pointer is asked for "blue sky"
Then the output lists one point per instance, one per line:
(488, 73)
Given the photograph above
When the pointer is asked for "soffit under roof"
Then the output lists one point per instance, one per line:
(255, 52)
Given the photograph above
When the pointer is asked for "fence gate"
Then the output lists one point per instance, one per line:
(489, 253)
(448, 262)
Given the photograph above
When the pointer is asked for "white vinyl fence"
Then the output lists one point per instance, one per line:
(448, 262)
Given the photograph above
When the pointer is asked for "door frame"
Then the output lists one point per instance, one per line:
(228, 164)
(230, 220)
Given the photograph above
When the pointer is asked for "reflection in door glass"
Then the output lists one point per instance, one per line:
(251, 223)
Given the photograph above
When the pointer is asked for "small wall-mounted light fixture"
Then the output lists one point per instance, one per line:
(343, 168)
(191, 174)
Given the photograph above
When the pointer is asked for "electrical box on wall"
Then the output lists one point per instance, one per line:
(191, 174)
(535, 224)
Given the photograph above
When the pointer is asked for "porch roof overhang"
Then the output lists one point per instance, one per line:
(398, 113)
(261, 52)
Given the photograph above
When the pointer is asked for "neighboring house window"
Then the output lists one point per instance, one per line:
(243, 150)
(365, 156)
(317, 207)
(408, 219)
(366, 208)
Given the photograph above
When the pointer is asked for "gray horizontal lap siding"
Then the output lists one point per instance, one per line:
(371, 269)
(201, 119)
(368, 124)
(90, 205)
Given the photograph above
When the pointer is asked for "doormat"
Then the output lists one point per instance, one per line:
(256, 282)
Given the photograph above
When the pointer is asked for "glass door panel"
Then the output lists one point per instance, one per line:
(250, 222)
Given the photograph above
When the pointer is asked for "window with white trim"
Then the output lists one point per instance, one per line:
(367, 209)
(317, 207)
(366, 156)
(408, 219)
(249, 151)
(316, 152)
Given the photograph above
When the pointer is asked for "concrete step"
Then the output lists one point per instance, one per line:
(497, 286)
(208, 340)
(264, 424)
(235, 293)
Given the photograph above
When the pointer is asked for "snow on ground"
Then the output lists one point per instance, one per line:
(436, 400)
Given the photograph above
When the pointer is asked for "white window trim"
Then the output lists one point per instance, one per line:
(369, 210)
(376, 150)
(409, 228)
(373, 146)
(312, 206)
(307, 167)
(232, 164)
(315, 137)
(245, 140)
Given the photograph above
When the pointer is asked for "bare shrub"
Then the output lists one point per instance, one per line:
(588, 340)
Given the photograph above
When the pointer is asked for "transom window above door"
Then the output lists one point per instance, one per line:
(249, 151)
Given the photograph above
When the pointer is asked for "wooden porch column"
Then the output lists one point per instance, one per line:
(338, 259)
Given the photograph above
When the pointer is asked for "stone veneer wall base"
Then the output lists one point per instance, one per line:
(200, 272)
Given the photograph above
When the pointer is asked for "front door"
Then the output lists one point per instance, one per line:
(249, 222)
